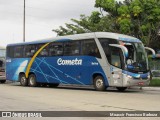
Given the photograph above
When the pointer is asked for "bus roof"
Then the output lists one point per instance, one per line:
(83, 36)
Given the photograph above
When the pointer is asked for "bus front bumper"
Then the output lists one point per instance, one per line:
(130, 81)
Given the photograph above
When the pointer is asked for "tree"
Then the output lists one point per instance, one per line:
(139, 18)
(86, 24)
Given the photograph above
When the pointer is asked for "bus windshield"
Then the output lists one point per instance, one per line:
(136, 61)
(137, 57)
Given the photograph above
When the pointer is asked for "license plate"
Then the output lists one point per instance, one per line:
(141, 83)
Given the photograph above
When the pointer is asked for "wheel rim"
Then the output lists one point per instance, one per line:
(99, 83)
(32, 80)
(23, 80)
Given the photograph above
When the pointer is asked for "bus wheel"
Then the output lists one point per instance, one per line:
(99, 84)
(53, 85)
(32, 80)
(3, 81)
(121, 88)
(23, 80)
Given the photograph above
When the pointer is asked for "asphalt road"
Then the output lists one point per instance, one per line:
(14, 97)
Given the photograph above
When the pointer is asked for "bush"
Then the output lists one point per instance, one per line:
(155, 82)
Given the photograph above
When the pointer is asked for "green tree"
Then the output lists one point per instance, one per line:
(139, 18)
(86, 24)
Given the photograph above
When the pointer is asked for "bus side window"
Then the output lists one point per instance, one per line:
(89, 47)
(105, 45)
(18, 51)
(56, 49)
(71, 48)
(115, 57)
(29, 50)
(44, 51)
(10, 51)
(75, 48)
(67, 48)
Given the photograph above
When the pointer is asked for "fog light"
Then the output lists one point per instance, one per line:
(129, 76)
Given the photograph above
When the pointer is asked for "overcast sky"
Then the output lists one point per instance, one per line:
(41, 17)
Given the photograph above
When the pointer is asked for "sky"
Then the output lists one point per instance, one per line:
(42, 16)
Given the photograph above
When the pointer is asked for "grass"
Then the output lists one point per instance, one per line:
(155, 82)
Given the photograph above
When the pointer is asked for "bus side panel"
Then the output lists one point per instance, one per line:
(14, 67)
(53, 70)
(48, 70)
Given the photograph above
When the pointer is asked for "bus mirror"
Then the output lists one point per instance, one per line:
(123, 48)
(153, 52)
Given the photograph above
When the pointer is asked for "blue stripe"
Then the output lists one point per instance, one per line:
(136, 75)
(130, 39)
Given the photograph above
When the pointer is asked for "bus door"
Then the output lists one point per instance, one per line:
(117, 61)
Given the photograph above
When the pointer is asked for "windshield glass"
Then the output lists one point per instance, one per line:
(136, 61)
(137, 57)
(2, 52)
(141, 56)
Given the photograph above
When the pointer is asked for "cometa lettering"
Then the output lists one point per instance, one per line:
(76, 61)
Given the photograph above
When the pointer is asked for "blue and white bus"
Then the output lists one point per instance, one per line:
(100, 59)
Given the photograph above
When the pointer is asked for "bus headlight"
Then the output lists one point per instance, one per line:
(129, 76)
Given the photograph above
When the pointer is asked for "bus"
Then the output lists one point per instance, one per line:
(2, 64)
(99, 59)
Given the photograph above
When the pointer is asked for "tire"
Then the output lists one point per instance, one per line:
(99, 84)
(2, 81)
(32, 80)
(53, 85)
(121, 89)
(23, 80)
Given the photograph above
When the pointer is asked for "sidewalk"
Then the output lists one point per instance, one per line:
(151, 88)
(146, 88)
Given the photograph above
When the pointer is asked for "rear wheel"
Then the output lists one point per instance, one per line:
(23, 80)
(121, 88)
(32, 80)
(99, 84)
(3, 81)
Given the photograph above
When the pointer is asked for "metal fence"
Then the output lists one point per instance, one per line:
(154, 64)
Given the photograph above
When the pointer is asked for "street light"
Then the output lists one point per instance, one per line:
(24, 21)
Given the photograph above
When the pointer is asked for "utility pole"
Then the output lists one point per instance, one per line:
(24, 20)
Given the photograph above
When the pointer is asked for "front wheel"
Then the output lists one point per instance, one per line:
(3, 81)
(32, 80)
(121, 88)
(99, 84)
(23, 80)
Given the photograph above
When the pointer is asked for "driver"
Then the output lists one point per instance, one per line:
(129, 59)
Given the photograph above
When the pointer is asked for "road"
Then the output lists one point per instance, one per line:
(14, 97)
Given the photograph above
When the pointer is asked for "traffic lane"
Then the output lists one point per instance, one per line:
(20, 98)
(69, 98)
